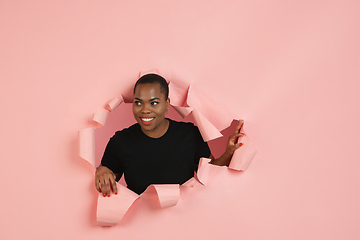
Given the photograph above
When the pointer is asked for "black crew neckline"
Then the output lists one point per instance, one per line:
(166, 133)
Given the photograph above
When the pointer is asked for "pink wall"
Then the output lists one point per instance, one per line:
(289, 68)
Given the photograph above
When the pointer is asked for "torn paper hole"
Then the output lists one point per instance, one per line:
(111, 210)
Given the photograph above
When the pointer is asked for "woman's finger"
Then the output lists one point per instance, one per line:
(97, 184)
(103, 187)
(235, 138)
(239, 145)
(107, 186)
(239, 126)
(237, 135)
(113, 184)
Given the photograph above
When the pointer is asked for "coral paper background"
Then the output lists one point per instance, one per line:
(289, 68)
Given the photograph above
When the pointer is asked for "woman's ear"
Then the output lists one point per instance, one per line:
(168, 103)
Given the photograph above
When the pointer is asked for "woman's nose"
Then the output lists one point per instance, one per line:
(145, 109)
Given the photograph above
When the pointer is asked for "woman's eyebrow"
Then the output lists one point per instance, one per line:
(154, 98)
(151, 99)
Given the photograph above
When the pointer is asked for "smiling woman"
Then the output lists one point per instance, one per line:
(156, 150)
(151, 101)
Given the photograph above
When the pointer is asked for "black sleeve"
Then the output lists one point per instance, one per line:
(111, 158)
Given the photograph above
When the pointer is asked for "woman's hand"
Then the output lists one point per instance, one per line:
(105, 181)
(233, 144)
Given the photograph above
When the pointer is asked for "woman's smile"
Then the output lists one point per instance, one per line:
(146, 121)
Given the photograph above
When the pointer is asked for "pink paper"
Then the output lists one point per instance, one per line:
(203, 170)
(183, 111)
(207, 130)
(113, 104)
(87, 135)
(214, 113)
(87, 145)
(110, 210)
(168, 194)
(178, 93)
(190, 183)
(153, 70)
(100, 117)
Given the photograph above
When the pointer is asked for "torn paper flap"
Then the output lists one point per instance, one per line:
(110, 210)
(207, 130)
(214, 112)
(178, 93)
(87, 145)
(113, 104)
(100, 117)
(203, 170)
(153, 70)
(168, 194)
(183, 111)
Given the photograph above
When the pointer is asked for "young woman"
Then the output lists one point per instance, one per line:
(156, 150)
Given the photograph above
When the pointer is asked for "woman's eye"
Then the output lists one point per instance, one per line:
(137, 103)
(154, 103)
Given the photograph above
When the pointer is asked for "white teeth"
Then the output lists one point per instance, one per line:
(147, 119)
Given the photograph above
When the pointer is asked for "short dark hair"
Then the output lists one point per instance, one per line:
(154, 78)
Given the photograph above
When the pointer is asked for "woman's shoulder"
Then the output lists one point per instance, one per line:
(186, 131)
(127, 132)
(180, 123)
(182, 126)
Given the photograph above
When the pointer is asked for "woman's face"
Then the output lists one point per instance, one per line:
(149, 109)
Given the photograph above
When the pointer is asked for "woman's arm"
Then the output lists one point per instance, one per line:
(231, 146)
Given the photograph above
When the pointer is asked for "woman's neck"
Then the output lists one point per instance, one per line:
(159, 131)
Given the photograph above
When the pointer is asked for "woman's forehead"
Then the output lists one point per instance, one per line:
(148, 91)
